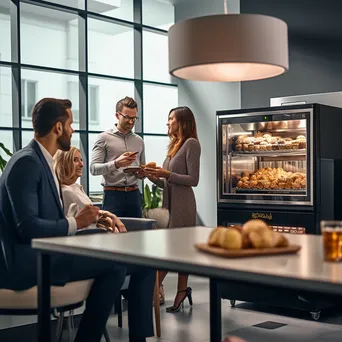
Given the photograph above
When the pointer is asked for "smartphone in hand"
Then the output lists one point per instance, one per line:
(131, 154)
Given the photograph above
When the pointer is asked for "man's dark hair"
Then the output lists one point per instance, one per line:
(126, 102)
(47, 112)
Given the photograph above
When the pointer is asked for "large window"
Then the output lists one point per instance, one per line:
(93, 56)
(5, 97)
(28, 98)
(73, 96)
(5, 31)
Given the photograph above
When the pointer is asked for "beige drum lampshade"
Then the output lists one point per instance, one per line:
(228, 48)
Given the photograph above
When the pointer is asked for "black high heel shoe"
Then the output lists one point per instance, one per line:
(188, 294)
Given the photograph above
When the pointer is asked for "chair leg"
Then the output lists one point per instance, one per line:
(118, 308)
(72, 312)
(59, 328)
(157, 306)
(106, 335)
(70, 329)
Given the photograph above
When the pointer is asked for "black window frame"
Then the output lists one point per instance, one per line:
(83, 74)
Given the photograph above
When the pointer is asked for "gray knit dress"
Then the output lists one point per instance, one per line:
(178, 196)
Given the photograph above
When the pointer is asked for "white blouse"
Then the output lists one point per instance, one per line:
(74, 193)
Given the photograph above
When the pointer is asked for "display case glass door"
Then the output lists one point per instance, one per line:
(265, 158)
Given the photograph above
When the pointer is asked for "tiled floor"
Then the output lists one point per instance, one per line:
(192, 324)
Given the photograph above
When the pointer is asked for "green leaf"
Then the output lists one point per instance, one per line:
(147, 197)
(2, 163)
(154, 204)
(152, 199)
(2, 146)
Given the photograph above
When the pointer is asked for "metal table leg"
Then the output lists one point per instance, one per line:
(215, 312)
(44, 280)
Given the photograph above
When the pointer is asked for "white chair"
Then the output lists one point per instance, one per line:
(63, 299)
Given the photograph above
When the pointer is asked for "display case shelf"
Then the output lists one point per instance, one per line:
(274, 153)
(271, 191)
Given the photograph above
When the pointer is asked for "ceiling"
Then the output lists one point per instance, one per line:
(314, 19)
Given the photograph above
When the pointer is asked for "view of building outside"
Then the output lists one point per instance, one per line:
(50, 67)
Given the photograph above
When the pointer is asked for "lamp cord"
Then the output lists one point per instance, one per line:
(225, 3)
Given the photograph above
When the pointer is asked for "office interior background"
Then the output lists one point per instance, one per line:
(95, 55)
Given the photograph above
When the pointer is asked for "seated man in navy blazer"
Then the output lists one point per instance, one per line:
(31, 207)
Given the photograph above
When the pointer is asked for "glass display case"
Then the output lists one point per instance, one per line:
(265, 157)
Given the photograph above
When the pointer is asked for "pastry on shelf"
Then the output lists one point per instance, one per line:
(302, 144)
(238, 147)
(251, 147)
(262, 142)
(272, 178)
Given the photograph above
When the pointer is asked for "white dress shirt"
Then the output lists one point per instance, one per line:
(49, 159)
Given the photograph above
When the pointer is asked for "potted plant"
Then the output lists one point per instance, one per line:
(152, 202)
(3, 162)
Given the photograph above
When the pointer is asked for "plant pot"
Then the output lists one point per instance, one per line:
(161, 215)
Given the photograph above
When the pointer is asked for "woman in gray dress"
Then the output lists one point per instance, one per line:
(180, 172)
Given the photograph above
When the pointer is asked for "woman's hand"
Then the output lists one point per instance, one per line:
(140, 173)
(152, 178)
(117, 226)
(157, 172)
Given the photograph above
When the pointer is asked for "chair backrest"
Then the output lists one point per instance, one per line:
(4, 253)
(88, 231)
(135, 224)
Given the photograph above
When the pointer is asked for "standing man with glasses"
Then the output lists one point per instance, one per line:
(110, 157)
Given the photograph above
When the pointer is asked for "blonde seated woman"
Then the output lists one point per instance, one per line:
(69, 167)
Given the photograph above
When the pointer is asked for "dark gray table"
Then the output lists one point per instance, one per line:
(172, 249)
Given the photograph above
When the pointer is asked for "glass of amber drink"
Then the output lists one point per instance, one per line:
(332, 240)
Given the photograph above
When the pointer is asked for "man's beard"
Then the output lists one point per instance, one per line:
(64, 142)
(128, 127)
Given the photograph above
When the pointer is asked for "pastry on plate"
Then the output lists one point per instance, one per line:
(151, 165)
(253, 234)
(262, 236)
(228, 238)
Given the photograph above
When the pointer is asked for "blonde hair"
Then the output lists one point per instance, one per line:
(65, 167)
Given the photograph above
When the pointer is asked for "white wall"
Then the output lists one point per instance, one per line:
(205, 98)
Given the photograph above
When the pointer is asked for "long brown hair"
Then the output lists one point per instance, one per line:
(187, 129)
(64, 165)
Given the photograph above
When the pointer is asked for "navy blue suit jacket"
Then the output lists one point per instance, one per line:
(30, 208)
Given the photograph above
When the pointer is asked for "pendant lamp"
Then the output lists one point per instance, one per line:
(228, 48)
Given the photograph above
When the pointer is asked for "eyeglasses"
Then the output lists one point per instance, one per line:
(129, 118)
